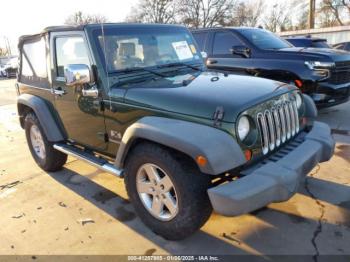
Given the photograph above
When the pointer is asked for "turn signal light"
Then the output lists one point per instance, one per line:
(201, 160)
(248, 154)
(298, 83)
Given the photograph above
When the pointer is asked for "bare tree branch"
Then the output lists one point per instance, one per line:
(278, 18)
(205, 13)
(247, 13)
(78, 18)
(153, 11)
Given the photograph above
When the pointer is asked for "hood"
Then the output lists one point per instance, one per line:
(324, 54)
(200, 94)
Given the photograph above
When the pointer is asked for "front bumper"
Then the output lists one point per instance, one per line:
(328, 95)
(277, 178)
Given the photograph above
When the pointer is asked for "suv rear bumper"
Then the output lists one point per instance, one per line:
(278, 177)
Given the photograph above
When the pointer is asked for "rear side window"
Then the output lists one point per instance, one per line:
(70, 50)
(320, 44)
(299, 42)
(223, 43)
(33, 63)
(201, 39)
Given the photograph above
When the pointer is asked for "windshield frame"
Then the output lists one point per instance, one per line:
(242, 32)
(119, 29)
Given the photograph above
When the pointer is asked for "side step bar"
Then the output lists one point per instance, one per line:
(89, 158)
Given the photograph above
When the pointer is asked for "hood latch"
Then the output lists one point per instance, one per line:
(218, 115)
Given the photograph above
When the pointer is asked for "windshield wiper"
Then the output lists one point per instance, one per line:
(179, 64)
(138, 69)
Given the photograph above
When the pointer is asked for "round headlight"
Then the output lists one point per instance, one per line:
(298, 100)
(243, 127)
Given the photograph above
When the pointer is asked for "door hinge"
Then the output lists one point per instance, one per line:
(218, 115)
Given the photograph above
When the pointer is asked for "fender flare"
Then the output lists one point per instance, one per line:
(220, 149)
(310, 107)
(43, 113)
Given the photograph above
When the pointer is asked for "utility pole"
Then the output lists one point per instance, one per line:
(312, 8)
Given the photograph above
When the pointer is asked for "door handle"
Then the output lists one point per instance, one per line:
(212, 62)
(92, 92)
(58, 91)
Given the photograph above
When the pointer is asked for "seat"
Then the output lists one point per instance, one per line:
(127, 56)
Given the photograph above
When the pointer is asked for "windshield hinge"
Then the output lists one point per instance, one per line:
(218, 115)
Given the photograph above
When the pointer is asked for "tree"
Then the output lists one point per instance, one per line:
(278, 18)
(3, 52)
(153, 11)
(78, 18)
(301, 11)
(247, 13)
(333, 11)
(205, 13)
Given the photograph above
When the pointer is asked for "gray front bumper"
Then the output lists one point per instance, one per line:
(277, 178)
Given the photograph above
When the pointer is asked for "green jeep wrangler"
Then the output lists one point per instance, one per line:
(137, 101)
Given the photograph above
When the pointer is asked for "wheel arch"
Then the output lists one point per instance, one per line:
(30, 103)
(191, 139)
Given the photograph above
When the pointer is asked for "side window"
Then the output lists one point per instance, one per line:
(33, 60)
(26, 70)
(70, 50)
(201, 39)
(223, 42)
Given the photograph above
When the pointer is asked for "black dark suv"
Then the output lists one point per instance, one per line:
(324, 74)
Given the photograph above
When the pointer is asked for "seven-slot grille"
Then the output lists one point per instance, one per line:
(278, 124)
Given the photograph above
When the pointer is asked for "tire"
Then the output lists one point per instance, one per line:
(49, 159)
(189, 184)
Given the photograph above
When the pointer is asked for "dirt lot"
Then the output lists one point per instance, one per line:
(81, 210)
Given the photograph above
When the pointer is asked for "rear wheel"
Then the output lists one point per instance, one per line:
(41, 149)
(168, 192)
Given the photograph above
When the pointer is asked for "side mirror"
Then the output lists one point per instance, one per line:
(77, 74)
(204, 55)
(241, 51)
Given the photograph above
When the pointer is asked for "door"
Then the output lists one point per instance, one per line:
(81, 115)
(221, 56)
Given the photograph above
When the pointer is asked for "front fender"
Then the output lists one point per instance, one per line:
(43, 113)
(221, 150)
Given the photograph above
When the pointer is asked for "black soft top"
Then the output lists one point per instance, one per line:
(49, 29)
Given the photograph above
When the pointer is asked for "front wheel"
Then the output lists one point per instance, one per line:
(168, 192)
(48, 158)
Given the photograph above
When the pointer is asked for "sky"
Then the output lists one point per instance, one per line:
(22, 17)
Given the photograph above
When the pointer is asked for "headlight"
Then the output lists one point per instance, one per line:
(243, 127)
(298, 100)
(319, 65)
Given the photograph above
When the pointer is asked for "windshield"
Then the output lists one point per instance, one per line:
(264, 39)
(141, 47)
(320, 44)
